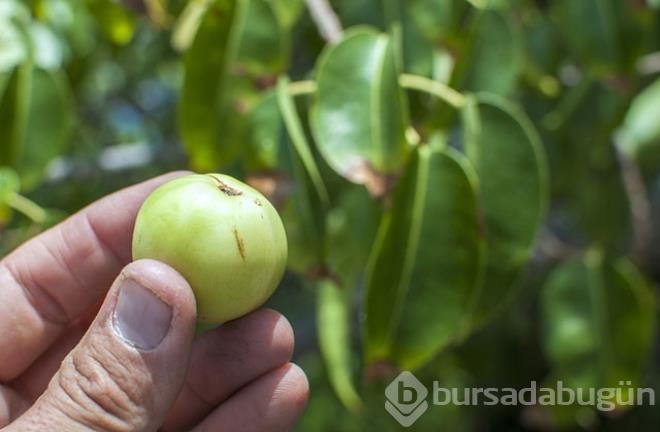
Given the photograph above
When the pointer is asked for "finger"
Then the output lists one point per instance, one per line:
(130, 365)
(11, 405)
(228, 358)
(47, 282)
(273, 403)
(34, 381)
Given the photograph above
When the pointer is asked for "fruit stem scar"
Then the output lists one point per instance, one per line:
(239, 244)
(224, 187)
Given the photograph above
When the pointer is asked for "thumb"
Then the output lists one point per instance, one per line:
(127, 370)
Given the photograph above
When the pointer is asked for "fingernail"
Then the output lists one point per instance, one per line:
(141, 318)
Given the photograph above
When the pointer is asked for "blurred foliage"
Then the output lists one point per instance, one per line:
(471, 188)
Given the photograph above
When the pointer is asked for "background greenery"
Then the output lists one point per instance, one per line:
(471, 189)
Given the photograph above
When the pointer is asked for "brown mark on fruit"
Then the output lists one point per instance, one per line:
(224, 187)
(257, 202)
(239, 244)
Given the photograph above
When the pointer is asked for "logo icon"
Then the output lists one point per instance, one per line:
(406, 399)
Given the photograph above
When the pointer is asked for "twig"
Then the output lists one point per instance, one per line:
(326, 19)
(649, 64)
(435, 88)
(28, 207)
(640, 209)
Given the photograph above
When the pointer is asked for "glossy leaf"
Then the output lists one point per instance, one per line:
(14, 46)
(297, 134)
(350, 231)
(9, 185)
(594, 32)
(434, 19)
(36, 118)
(334, 333)
(188, 23)
(48, 50)
(587, 174)
(49, 124)
(598, 321)
(426, 264)
(265, 137)
(13, 114)
(360, 12)
(288, 11)
(639, 135)
(494, 57)
(263, 48)
(604, 33)
(116, 21)
(14, 9)
(493, 4)
(274, 162)
(222, 70)
(303, 221)
(205, 108)
(507, 155)
(359, 116)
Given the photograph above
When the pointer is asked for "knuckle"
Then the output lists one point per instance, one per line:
(102, 393)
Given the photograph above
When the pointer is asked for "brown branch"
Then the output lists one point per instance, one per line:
(326, 20)
(640, 209)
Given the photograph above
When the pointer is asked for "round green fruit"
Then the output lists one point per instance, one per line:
(223, 236)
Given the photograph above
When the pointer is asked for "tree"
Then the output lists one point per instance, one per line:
(465, 184)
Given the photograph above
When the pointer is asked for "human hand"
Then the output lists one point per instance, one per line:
(81, 352)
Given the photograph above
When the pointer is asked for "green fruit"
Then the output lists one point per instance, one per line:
(224, 237)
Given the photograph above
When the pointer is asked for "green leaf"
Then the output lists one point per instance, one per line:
(204, 109)
(598, 320)
(598, 184)
(9, 185)
(288, 11)
(265, 135)
(335, 341)
(295, 129)
(593, 32)
(494, 4)
(304, 222)
(494, 57)
(604, 34)
(350, 231)
(434, 25)
(360, 12)
(263, 46)
(509, 160)
(586, 170)
(236, 43)
(35, 121)
(359, 116)
(117, 22)
(14, 9)
(14, 47)
(188, 22)
(49, 124)
(272, 160)
(639, 135)
(14, 107)
(48, 50)
(426, 264)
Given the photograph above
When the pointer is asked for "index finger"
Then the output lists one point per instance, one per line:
(50, 280)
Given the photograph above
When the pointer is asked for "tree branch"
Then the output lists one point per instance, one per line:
(326, 20)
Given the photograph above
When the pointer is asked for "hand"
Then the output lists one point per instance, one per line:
(81, 352)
